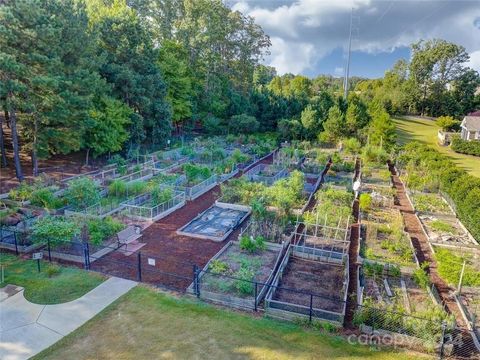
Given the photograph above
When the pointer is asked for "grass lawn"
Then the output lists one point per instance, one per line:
(144, 324)
(64, 284)
(425, 131)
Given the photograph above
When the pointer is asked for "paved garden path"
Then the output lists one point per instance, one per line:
(27, 328)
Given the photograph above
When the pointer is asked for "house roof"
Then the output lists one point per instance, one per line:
(471, 123)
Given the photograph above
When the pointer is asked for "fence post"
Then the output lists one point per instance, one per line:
(444, 327)
(196, 285)
(255, 300)
(86, 255)
(311, 308)
(49, 252)
(139, 266)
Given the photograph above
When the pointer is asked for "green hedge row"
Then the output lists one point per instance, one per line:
(466, 147)
(464, 189)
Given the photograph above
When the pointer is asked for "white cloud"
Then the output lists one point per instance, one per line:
(290, 57)
(304, 31)
(474, 62)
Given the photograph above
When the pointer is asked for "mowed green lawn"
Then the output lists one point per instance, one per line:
(145, 324)
(54, 284)
(425, 131)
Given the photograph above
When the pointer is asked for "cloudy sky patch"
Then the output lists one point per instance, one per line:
(310, 36)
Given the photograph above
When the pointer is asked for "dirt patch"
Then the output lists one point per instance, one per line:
(325, 280)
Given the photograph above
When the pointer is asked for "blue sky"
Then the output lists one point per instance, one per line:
(309, 36)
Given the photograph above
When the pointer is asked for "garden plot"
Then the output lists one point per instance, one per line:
(376, 175)
(340, 180)
(216, 223)
(15, 227)
(312, 168)
(266, 173)
(319, 237)
(309, 285)
(288, 157)
(376, 196)
(399, 303)
(155, 205)
(429, 203)
(195, 180)
(445, 230)
(383, 238)
(237, 275)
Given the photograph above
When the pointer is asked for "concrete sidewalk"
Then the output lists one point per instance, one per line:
(27, 328)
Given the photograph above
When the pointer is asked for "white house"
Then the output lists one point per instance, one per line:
(470, 128)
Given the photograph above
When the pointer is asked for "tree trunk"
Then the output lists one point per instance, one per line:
(34, 147)
(16, 148)
(87, 156)
(7, 118)
(2, 145)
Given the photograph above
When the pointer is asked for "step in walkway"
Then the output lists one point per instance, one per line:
(27, 328)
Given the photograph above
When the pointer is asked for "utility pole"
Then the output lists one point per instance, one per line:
(347, 68)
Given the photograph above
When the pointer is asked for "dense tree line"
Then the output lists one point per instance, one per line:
(102, 74)
(435, 82)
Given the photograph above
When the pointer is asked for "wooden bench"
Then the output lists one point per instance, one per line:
(127, 236)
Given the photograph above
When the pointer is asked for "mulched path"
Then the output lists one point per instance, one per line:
(174, 255)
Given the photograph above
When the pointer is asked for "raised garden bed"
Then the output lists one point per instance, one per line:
(15, 224)
(446, 230)
(267, 174)
(217, 222)
(398, 303)
(309, 284)
(149, 208)
(340, 180)
(229, 277)
(376, 175)
(429, 203)
(383, 238)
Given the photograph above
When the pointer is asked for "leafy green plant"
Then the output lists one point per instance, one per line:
(120, 162)
(420, 276)
(58, 230)
(101, 229)
(136, 187)
(218, 267)
(442, 227)
(372, 268)
(22, 192)
(159, 195)
(365, 202)
(243, 284)
(52, 270)
(45, 197)
(82, 192)
(117, 188)
(195, 172)
(252, 245)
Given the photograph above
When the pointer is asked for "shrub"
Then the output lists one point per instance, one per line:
(117, 188)
(374, 154)
(243, 284)
(352, 146)
(195, 172)
(101, 229)
(136, 187)
(45, 198)
(252, 245)
(466, 147)
(120, 162)
(22, 192)
(238, 157)
(52, 270)
(243, 124)
(365, 202)
(82, 192)
(218, 267)
(212, 125)
(159, 195)
(56, 229)
(448, 123)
